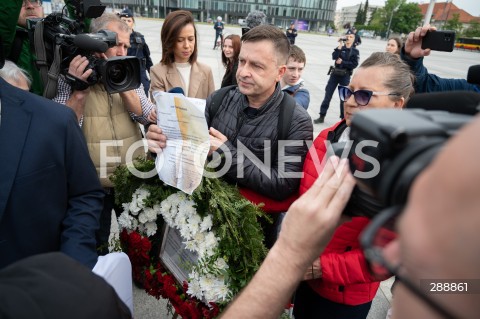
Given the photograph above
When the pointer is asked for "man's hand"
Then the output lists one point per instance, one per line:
(312, 219)
(338, 61)
(77, 68)
(152, 117)
(413, 45)
(314, 271)
(216, 140)
(156, 140)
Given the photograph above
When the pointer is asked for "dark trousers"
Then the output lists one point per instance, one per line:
(106, 221)
(332, 83)
(221, 39)
(309, 305)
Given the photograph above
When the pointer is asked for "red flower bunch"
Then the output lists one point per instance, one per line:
(137, 247)
(158, 282)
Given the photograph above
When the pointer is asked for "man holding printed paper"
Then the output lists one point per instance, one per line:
(245, 125)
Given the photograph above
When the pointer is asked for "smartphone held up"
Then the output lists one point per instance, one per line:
(439, 40)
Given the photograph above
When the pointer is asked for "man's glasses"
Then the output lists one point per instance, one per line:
(34, 3)
(362, 97)
(375, 238)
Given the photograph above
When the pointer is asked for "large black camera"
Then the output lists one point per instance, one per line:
(63, 39)
(390, 148)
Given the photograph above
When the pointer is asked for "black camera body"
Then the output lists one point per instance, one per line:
(390, 149)
(343, 39)
(65, 37)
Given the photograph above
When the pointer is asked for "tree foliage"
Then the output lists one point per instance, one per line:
(405, 17)
(473, 30)
(359, 17)
(454, 23)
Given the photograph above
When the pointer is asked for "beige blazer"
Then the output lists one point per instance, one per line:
(164, 78)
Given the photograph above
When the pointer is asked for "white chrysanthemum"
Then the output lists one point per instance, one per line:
(194, 289)
(220, 264)
(199, 238)
(142, 217)
(211, 240)
(133, 207)
(191, 245)
(180, 220)
(142, 195)
(125, 221)
(185, 233)
(194, 228)
(151, 228)
(222, 292)
(188, 207)
(206, 224)
(151, 214)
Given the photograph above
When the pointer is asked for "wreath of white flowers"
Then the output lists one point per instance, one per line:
(207, 280)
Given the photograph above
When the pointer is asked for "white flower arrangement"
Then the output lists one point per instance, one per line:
(207, 279)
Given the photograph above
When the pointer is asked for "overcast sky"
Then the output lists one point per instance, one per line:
(471, 6)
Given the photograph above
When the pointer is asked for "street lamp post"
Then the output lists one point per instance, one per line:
(390, 21)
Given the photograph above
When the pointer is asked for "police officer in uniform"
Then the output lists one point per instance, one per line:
(138, 48)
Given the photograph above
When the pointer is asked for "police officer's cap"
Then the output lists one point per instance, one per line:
(126, 13)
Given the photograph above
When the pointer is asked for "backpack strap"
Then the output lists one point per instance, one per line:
(20, 36)
(217, 100)
(287, 107)
(49, 74)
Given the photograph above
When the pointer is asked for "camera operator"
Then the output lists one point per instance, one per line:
(338, 283)
(437, 237)
(346, 58)
(106, 117)
(13, 30)
(413, 54)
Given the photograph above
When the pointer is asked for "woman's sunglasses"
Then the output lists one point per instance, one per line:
(362, 97)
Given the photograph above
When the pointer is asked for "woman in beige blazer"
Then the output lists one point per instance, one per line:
(179, 66)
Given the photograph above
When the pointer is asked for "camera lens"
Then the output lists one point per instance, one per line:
(117, 73)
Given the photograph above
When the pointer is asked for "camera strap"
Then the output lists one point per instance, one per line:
(49, 76)
(75, 83)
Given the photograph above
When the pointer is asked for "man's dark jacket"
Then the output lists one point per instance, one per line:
(50, 196)
(232, 120)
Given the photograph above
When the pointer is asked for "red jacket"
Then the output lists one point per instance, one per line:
(345, 275)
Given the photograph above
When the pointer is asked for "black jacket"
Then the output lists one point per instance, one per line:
(349, 56)
(235, 120)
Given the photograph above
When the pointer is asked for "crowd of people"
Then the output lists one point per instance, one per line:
(57, 196)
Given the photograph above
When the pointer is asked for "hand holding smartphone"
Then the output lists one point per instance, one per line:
(439, 41)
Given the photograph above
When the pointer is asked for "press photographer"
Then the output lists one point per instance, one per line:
(58, 39)
(108, 120)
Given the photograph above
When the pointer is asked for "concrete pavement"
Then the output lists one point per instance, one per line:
(318, 49)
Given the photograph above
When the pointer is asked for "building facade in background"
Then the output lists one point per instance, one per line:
(444, 11)
(349, 15)
(311, 15)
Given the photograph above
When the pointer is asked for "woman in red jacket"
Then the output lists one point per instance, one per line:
(338, 284)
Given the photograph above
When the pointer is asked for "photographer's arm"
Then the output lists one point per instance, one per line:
(306, 230)
(138, 104)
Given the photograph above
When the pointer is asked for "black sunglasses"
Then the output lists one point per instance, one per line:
(362, 97)
(376, 236)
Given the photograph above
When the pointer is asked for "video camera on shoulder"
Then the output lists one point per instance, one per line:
(64, 38)
(390, 149)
